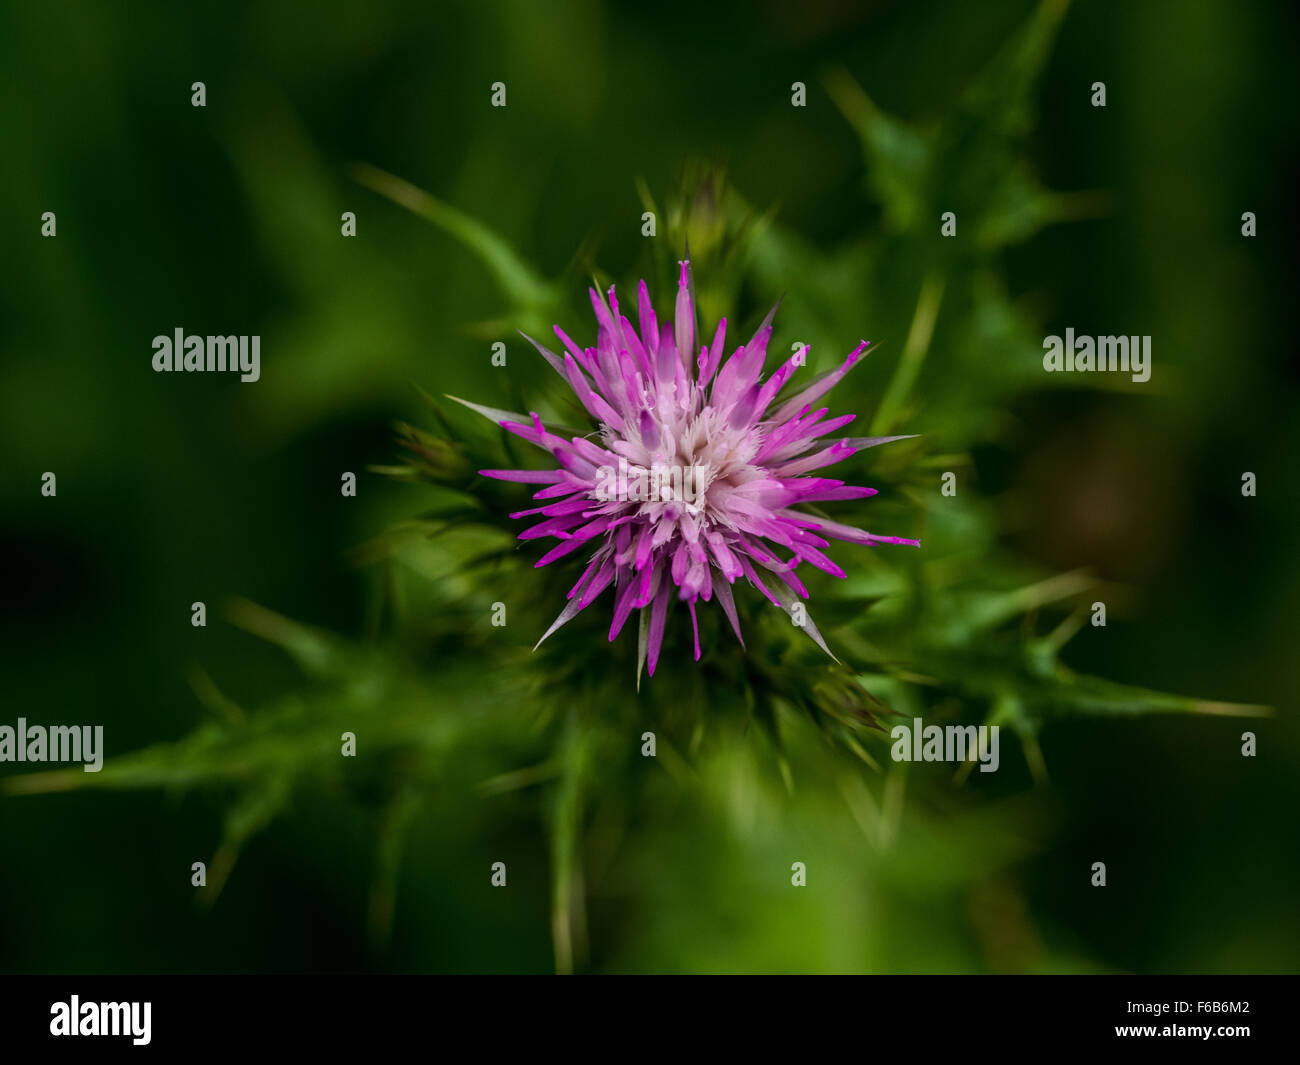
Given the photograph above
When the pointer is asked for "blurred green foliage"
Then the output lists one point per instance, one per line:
(475, 749)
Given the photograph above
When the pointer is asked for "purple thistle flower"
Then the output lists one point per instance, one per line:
(693, 481)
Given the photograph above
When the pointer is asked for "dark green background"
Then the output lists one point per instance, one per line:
(175, 488)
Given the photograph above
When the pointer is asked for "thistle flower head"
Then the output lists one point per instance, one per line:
(693, 478)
